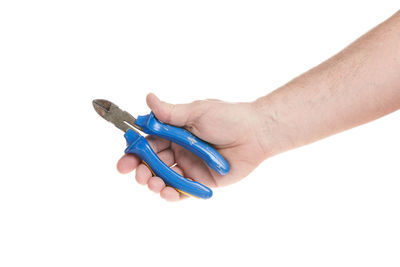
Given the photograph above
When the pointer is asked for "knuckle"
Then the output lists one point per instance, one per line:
(197, 102)
(170, 113)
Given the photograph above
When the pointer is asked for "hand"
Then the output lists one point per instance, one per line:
(230, 127)
(358, 85)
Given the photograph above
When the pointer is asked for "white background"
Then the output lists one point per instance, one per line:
(62, 202)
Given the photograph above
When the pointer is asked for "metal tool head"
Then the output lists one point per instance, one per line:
(112, 113)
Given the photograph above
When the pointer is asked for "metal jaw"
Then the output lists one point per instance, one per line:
(112, 113)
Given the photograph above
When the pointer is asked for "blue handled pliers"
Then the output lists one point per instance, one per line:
(138, 145)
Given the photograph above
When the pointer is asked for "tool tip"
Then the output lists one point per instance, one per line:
(105, 104)
(101, 106)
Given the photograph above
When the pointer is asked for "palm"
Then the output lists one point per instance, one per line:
(230, 135)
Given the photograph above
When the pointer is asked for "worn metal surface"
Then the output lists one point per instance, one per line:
(112, 113)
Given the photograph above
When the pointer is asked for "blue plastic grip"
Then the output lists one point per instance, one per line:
(138, 145)
(151, 125)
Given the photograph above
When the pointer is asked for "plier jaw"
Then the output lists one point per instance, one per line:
(112, 113)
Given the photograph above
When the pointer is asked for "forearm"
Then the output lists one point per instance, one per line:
(358, 85)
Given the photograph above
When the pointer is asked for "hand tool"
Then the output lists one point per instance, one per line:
(138, 145)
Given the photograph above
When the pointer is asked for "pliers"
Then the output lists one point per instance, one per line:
(138, 145)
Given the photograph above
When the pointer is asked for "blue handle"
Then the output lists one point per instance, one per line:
(138, 145)
(151, 125)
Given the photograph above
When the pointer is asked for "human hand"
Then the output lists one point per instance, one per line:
(230, 127)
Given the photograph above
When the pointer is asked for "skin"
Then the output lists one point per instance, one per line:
(358, 85)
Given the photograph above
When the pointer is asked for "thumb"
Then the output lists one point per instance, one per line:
(177, 115)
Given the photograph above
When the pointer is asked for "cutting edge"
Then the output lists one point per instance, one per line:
(112, 113)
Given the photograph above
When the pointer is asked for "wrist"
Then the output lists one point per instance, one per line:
(274, 135)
